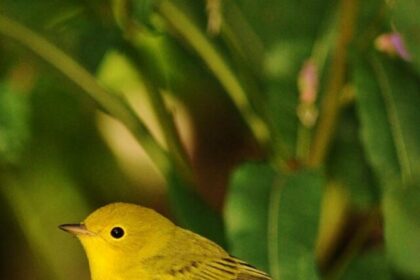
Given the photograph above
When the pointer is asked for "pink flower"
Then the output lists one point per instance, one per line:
(308, 82)
(392, 44)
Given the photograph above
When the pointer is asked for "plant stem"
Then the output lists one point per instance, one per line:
(186, 28)
(146, 65)
(393, 118)
(303, 141)
(111, 102)
(242, 39)
(320, 51)
(331, 105)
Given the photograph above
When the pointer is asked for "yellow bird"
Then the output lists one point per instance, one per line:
(129, 242)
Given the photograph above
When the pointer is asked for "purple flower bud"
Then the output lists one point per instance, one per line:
(392, 44)
(308, 82)
(399, 45)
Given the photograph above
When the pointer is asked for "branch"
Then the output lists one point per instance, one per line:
(111, 102)
(331, 105)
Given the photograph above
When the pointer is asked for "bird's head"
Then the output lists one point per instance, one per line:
(120, 231)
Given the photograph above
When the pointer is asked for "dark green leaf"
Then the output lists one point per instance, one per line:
(375, 131)
(282, 103)
(400, 90)
(42, 13)
(388, 111)
(388, 100)
(291, 18)
(142, 11)
(192, 212)
(371, 265)
(347, 163)
(83, 30)
(246, 212)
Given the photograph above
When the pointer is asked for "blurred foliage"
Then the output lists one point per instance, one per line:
(14, 124)
(246, 212)
(286, 131)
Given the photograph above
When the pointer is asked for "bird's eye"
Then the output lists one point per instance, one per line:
(117, 232)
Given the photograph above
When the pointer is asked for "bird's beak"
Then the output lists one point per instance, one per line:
(76, 229)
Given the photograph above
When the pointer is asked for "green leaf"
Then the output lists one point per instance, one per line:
(400, 91)
(347, 163)
(408, 24)
(290, 18)
(246, 212)
(375, 132)
(371, 265)
(388, 111)
(388, 102)
(293, 225)
(142, 11)
(192, 212)
(281, 107)
(83, 30)
(402, 228)
(43, 13)
(14, 124)
(272, 220)
(283, 62)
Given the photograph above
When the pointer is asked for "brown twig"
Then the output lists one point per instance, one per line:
(330, 105)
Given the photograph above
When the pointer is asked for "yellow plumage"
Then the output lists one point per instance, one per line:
(129, 242)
